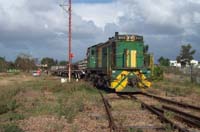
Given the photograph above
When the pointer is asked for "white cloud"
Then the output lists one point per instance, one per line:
(100, 13)
(41, 26)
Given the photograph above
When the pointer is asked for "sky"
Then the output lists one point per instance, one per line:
(39, 28)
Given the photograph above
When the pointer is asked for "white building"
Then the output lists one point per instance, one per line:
(194, 62)
(174, 63)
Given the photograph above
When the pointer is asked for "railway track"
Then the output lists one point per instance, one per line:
(112, 125)
(107, 106)
(172, 102)
(162, 99)
(160, 114)
(178, 115)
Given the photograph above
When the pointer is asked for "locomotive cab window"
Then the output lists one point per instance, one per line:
(92, 52)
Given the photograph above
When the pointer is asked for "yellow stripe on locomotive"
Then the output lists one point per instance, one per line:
(132, 79)
(120, 62)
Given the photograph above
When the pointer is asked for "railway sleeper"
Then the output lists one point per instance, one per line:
(160, 115)
(181, 112)
(187, 120)
(181, 116)
(172, 102)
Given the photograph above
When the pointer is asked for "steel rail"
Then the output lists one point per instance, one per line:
(160, 115)
(162, 99)
(181, 112)
(173, 102)
(109, 114)
(128, 128)
(138, 128)
(189, 118)
(183, 118)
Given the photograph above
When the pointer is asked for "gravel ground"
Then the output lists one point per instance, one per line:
(129, 113)
(44, 124)
(92, 119)
(159, 104)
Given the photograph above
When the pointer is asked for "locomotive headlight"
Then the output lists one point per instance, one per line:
(113, 71)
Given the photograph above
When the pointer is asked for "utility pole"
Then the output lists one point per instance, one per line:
(70, 55)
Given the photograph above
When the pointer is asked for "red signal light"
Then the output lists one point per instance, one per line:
(71, 55)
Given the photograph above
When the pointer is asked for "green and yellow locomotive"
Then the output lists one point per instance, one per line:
(121, 63)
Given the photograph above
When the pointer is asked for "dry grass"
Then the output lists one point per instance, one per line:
(43, 103)
(124, 104)
(177, 85)
(23, 98)
(9, 79)
(178, 88)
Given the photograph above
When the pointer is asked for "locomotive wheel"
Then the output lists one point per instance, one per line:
(106, 84)
(100, 83)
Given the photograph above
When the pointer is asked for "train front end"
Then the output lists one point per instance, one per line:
(133, 65)
(122, 63)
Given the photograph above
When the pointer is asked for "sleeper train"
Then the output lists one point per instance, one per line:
(121, 63)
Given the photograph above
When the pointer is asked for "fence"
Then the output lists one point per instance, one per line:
(192, 72)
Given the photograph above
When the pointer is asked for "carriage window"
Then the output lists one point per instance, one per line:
(92, 52)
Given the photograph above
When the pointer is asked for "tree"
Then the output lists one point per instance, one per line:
(49, 61)
(3, 64)
(163, 61)
(25, 62)
(63, 63)
(186, 55)
(11, 65)
(56, 62)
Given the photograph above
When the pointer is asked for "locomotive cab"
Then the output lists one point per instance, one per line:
(121, 63)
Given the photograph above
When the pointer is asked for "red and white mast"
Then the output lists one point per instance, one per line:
(70, 39)
(70, 55)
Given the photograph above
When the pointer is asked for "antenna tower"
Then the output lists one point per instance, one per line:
(70, 55)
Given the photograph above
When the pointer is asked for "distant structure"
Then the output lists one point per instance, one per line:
(194, 63)
(42, 66)
(54, 68)
(174, 63)
(82, 65)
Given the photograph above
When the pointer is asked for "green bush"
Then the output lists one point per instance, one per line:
(70, 109)
(3, 108)
(9, 106)
(11, 128)
(158, 73)
(12, 105)
(71, 99)
(169, 128)
(135, 130)
(15, 116)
